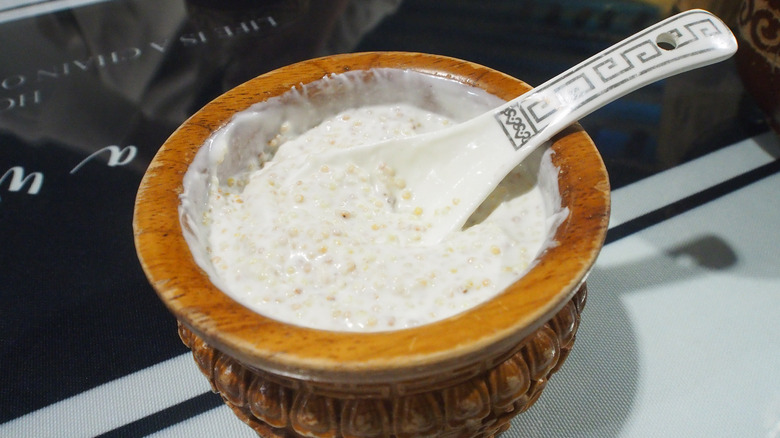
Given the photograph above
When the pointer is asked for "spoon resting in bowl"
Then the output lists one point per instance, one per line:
(450, 172)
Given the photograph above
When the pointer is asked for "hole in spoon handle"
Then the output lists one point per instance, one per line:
(688, 40)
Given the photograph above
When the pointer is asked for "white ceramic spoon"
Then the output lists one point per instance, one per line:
(450, 172)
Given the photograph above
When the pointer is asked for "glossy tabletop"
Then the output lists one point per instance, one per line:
(679, 336)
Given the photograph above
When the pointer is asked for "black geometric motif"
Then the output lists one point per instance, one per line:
(515, 125)
(615, 69)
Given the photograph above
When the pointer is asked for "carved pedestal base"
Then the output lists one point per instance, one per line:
(481, 404)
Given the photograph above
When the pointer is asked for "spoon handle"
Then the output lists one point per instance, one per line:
(680, 43)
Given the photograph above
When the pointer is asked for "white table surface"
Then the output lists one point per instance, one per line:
(680, 336)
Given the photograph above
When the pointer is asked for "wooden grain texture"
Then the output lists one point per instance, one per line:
(441, 351)
(474, 406)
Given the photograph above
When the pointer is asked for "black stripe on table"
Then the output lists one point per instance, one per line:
(167, 417)
(669, 211)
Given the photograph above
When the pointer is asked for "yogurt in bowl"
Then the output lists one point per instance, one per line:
(330, 250)
(433, 361)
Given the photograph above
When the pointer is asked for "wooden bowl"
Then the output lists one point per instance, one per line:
(467, 375)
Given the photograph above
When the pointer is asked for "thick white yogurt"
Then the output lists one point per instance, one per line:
(328, 250)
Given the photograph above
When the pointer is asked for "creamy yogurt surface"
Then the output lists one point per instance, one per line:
(327, 249)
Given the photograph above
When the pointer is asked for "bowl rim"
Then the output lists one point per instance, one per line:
(492, 328)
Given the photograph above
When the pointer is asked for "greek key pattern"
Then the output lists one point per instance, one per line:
(598, 75)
